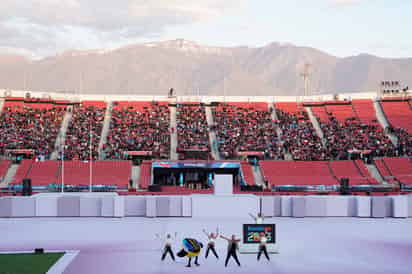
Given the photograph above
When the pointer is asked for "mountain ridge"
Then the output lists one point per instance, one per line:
(192, 68)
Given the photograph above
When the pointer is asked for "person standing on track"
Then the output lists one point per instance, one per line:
(212, 242)
(168, 242)
(233, 246)
(262, 246)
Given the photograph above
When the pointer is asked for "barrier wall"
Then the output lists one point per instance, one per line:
(230, 206)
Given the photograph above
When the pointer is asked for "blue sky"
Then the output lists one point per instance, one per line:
(339, 27)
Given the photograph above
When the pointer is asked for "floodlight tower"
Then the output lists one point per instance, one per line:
(305, 74)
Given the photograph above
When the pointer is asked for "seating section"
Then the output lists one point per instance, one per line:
(4, 166)
(298, 134)
(297, 173)
(116, 173)
(247, 172)
(246, 127)
(139, 127)
(399, 116)
(192, 131)
(395, 169)
(85, 127)
(22, 171)
(30, 126)
(145, 174)
(345, 132)
(356, 171)
(44, 172)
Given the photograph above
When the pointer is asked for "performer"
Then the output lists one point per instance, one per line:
(258, 219)
(231, 248)
(191, 248)
(262, 246)
(212, 241)
(168, 242)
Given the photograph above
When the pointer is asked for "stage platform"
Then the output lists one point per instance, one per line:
(128, 245)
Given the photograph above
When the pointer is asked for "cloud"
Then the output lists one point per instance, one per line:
(48, 26)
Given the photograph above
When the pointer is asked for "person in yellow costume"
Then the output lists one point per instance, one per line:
(191, 248)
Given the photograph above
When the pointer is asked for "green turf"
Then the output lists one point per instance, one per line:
(29, 263)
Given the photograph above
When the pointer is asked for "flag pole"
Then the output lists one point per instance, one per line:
(91, 159)
(62, 159)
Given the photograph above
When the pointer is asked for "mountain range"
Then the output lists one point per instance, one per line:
(192, 69)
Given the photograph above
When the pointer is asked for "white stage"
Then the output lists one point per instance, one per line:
(127, 245)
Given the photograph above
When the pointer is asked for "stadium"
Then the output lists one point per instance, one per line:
(96, 177)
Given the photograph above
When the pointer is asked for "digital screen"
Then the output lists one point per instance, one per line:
(251, 233)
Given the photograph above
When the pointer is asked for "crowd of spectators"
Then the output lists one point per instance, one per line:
(85, 126)
(192, 129)
(245, 128)
(140, 126)
(348, 135)
(299, 136)
(25, 127)
(404, 146)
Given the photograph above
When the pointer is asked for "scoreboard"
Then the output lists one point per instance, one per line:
(251, 233)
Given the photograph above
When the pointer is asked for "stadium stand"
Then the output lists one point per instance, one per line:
(30, 126)
(22, 171)
(247, 173)
(395, 169)
(345, 132)
(113, 173)
(192, 131)
(87, 119)
(297, 173)
(398, 114)
(145, 174)
(4, 166)
(139, 127)
(43, 172)
(245, 127)
(355, 171)
(298, 134)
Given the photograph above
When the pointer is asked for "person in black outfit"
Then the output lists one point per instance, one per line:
(262, 246)
(168, 241)
(231, 249)
(212, 242)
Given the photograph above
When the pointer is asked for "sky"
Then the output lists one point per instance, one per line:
(40, 28)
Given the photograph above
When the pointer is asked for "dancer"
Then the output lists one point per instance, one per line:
(168, 242)
(231, 248)
(191, 248)
(262, 246)
(212, 241)
(258, 219)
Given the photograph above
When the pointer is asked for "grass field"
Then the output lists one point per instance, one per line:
(29, 263)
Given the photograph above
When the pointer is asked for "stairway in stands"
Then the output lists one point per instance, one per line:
(11, 172)
(1, 105)
(212, 134)
(106, 128)
(62, 134)
(374, 172)
(316, 125)
(258, 176)
(380, 115)
(279, 132)
(173, 134)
